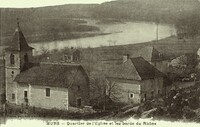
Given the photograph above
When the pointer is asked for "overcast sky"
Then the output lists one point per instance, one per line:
(40, 3)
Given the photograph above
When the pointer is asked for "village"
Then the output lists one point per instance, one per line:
(139, 81)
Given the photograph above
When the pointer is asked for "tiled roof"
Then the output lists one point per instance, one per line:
(18, 42)
(57, 75)
(134, 69)
(145, 69)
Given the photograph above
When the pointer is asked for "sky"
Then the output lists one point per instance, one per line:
(41, 3)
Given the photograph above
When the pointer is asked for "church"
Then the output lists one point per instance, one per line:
(43, 85)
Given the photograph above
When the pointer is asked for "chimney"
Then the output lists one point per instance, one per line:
(126, 57)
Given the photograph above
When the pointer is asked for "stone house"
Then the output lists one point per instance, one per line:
(134, 81)
(57, 86)
(44, 85)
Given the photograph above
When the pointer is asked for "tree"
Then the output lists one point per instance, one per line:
(188, 26)
(113, 91)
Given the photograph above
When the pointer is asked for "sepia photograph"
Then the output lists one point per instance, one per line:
(105, 63)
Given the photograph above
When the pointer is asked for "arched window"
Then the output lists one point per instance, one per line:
(26, 58)
(12, 59)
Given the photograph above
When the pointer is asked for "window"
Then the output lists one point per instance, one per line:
(145, 97)
(26, 58)
(12, 59)
(158, 91)
(79, 102)
(12, 75)
(25, 94)
(13, 96)
(131, 95)
(48, 92)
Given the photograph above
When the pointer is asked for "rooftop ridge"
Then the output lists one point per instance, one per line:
(59, 63)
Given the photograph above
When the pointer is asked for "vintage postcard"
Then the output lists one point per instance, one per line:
(84, 63)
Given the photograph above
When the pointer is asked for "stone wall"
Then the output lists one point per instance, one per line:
(122, 90)
(152, 87)
(37, 96)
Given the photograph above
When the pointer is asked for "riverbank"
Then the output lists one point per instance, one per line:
(65, 36)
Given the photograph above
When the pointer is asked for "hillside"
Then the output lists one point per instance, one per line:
(147, 10)
(45, 23)
(57, 19)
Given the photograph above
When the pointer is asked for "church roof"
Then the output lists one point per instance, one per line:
(50, 74)
(18, 42)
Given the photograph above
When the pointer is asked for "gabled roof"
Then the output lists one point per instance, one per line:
(149, 53)
(56, 75)
(18, 42)
(135, 69)
(123, 71)
(145, 69)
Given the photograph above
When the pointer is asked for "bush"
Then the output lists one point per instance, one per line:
(188, 113)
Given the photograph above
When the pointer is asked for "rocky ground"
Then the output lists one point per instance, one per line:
(178, 105)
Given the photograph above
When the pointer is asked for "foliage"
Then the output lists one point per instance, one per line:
(188, 26)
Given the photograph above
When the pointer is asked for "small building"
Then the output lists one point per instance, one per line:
(154, 57)
(43, 85)
(72, 56)
(56, 85)
(134, 81)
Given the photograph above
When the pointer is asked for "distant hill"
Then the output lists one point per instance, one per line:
(43, 22)
(32, 16)
(147, 10)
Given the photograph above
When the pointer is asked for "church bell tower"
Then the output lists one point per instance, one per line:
(18, 56)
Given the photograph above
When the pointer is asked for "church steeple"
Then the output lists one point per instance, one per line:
(19, 42)
(18, 58)
(18, 27)
(19, 54)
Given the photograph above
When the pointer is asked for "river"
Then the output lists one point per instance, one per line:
(122, 34)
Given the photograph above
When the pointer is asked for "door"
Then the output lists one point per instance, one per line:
(79, 102)
(26, 96)
(145, 97)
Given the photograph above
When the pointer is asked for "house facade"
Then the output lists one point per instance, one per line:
(43, 85)
(134, 81)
